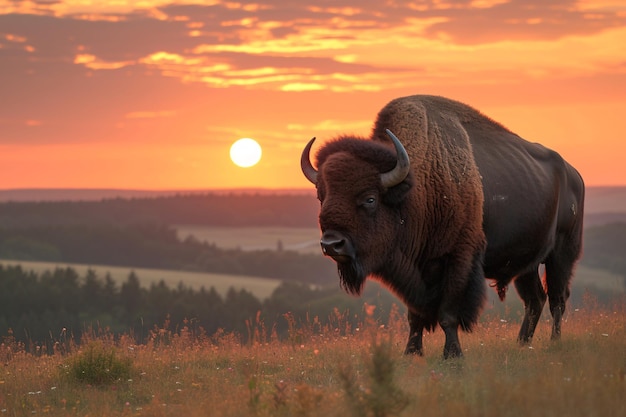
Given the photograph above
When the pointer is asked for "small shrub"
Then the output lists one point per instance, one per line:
(380, 396)
(98, 365)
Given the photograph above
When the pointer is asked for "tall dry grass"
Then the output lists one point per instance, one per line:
(328, 372)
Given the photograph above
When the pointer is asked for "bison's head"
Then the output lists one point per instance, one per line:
(361, 185)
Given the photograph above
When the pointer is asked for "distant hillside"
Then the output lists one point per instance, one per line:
(605, 200)
(217, 209)
(603, 218)
(139, 232)
(603, 204)
(96, 194)
(142, 232)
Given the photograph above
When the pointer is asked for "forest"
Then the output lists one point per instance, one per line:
(140, 233)
(47, 308)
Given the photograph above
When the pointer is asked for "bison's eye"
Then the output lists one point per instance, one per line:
(368, 202)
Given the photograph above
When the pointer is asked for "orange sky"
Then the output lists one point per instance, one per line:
(150, 94)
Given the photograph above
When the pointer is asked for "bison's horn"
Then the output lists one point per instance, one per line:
(305, 163)
(401, 170)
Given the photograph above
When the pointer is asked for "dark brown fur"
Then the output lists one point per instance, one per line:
(425, 238)
(433, 237)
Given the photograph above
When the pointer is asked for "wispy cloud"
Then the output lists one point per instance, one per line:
(346, 46)
(92, 62)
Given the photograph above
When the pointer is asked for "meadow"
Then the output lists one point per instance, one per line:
(330, 371)
(322, 370)
(300, 239)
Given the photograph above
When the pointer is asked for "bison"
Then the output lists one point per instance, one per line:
(457, 198)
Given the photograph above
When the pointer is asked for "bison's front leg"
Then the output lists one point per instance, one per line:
(449, 322)
(415, 345)
(452, 347)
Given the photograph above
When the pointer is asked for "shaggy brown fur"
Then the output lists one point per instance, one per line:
(425, 241)
(448, 199)
(478, 201)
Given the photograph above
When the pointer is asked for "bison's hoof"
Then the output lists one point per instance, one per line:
(453, 352)
(412, 350)
(524, 340)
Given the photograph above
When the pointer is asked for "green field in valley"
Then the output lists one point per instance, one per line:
(304, 240)
(601, 279)
(260, 287)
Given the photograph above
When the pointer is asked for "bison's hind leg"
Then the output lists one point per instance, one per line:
(559, 268)
(534, 297)
(558, 274)
(415, 344)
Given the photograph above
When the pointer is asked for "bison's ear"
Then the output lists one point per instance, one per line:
(396, 194)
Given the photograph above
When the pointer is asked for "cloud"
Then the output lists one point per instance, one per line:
(95, 63)
(336, 46)
(524, 20)
(105, 60)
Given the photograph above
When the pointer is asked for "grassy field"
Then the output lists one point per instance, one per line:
(591, 277)
(260, 287)
(324, 373)
(304, 240)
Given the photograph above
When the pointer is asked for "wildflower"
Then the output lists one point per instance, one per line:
(435, 376)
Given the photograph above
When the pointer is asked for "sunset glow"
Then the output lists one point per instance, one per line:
(245, 152)
(151, 94)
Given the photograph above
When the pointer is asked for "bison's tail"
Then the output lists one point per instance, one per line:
(475, 296)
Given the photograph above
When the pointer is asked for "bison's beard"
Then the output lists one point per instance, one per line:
(351, 276)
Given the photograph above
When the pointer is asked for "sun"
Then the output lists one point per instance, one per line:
(245, 152)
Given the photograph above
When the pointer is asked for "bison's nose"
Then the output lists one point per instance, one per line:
(337, 246)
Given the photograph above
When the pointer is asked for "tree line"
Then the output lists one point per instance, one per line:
(57, 304)
(41, 309)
